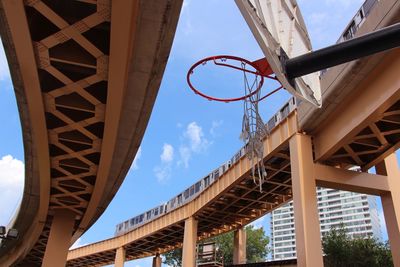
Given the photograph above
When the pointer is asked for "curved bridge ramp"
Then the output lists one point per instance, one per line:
(86, 75)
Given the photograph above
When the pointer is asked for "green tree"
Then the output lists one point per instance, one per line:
(341, 250)
(257, 242)
(336, 247)
(225, 244)
(256, 247)
(173, 258)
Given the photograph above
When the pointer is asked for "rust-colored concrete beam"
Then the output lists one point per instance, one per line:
(354, 181)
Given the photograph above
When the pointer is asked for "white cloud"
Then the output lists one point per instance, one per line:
(168, 153)
(4, 70)
(194, 133)
(12, 172)
(135, 165)
(78, 243)
(164, 169)
(194, 141)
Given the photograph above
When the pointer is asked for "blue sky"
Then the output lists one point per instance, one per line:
(187, 136)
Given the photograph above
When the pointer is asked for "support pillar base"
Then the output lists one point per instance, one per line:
(189, 243)
(307, 229)
(239, 246)
(59, 239)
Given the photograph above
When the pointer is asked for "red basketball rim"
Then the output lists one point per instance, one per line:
(214, 58)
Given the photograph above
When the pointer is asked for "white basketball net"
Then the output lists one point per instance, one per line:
(254, 130)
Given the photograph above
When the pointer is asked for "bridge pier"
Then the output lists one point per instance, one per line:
(189, 243)
(239, 246)
(119, 257)
(307, 230)
(59, 239)
(157, 261)
(391, 204)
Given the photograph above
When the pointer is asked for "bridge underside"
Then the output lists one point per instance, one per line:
(86, 75)
(365, 129)
(373, 143)
(161, 241)
(238, 206)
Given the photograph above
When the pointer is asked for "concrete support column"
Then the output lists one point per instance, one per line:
(189, 243)
(157, 261)
(239, 246)
(308, 236)
(119, 257)
(59, 239)
(391, 204)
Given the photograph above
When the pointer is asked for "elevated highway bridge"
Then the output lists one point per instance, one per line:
(78, 147)
(86, 75)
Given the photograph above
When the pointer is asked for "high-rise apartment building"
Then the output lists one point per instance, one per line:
(358, 213)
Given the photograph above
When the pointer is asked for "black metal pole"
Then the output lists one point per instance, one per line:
(362, 46)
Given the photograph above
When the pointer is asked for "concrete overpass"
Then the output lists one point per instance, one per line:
(64, 57)
(358, 125)
(86, 75)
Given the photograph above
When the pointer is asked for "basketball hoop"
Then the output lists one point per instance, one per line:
(263, 70)
(253, 128)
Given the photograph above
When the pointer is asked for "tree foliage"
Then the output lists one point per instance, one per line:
(257, 243)
(341, 250)
(256, 247)
(225, 244)
(173, 258)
